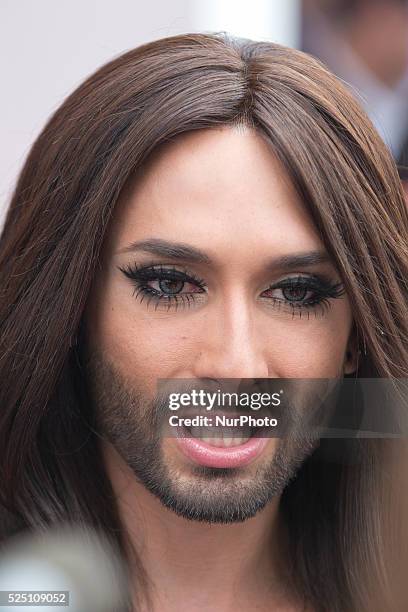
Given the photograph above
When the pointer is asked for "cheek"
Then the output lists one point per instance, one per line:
(141, 344)
(311, 349)
(313, 354)
(149, 350)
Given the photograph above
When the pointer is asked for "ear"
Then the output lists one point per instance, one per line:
(350, 363)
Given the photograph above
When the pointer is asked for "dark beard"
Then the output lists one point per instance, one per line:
(132, 423)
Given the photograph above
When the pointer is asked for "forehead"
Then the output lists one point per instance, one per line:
(214, 187)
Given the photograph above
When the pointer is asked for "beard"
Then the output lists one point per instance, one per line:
(132, 422)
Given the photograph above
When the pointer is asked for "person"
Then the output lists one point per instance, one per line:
(365, 42)
(203, 207)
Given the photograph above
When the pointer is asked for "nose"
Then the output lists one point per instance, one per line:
(232, 343)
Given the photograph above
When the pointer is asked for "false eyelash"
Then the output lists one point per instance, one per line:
(153, 271)
(149, 295)
(143, 274)
(322, 285)
(325, 289)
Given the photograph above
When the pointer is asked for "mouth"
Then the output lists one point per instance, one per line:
(230, 447)
(221, 436)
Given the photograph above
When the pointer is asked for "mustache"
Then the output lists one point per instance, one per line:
(304, 401)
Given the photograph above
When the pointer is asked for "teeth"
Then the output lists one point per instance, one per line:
(204, 433)
(224, 441)
(213, 441)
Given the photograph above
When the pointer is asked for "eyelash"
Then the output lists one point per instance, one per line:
(143, 275)
(324, 289)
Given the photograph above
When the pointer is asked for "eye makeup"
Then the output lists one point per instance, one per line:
(168, 286)
(170, 282)
(304, 293)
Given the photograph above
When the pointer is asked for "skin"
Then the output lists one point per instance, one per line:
(224, 192)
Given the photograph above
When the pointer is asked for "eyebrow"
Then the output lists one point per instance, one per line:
(187, 253)
(173, 250)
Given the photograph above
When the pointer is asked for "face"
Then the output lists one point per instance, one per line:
(212, 269)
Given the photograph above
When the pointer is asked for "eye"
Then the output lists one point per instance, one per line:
(303, 293)
(172, 286)
(168, 287)
(295, 294)
(164, 286)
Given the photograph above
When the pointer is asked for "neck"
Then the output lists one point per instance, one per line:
(237, 566)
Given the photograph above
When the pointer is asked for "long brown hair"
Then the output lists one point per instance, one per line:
(51, 463)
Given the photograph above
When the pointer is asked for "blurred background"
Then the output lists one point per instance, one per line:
(365, 42)
(47, 48)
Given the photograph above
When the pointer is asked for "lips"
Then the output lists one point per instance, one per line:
(232, 450)
(220, 436)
